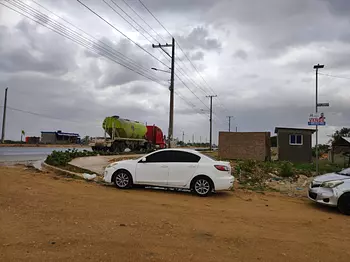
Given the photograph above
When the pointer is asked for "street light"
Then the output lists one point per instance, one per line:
(156, 69)
(318, 66)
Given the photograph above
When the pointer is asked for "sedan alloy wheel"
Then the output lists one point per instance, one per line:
(202, 187)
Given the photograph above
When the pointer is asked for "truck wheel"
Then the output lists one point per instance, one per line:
(121, 147)
(344, 204)
(148, 147)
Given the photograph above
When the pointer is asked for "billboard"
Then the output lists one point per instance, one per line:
(317, 119)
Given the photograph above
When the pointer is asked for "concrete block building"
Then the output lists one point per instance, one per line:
(245, 145)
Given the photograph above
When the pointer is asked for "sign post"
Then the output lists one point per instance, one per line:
(323, 104)
(316, 119)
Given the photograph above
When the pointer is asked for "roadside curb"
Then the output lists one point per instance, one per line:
(62, 171)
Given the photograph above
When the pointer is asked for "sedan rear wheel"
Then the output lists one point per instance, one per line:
(202, 186)
(123, 179)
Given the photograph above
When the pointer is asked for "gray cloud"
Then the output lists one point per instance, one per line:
(273, 86)
(241, 54)
(341, 7)
(199, 38)
(20, 56)
(199, 55)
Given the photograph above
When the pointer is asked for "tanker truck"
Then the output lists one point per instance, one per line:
(124, 133)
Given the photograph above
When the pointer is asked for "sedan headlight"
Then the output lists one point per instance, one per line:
(331, 184)
(112, 164)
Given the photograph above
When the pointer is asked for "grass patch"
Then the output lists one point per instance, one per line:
(62, 158)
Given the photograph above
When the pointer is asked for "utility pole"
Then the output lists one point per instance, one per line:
(211, 120)
(183, 136)
(193, 139)
(318, 66)
(171, 88)
(229, 123)
(236, 129)
(4, 118)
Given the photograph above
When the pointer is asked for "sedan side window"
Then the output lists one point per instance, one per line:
(186, 157)
(159, 157)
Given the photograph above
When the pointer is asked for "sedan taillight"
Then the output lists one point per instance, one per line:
(221, 168)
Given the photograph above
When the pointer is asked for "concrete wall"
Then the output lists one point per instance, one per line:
(294, 153)
(245, 145)
(48, 138)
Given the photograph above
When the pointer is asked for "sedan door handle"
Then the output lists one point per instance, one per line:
(192, 166)
(163, 166)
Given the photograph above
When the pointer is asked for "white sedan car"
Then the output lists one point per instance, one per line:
(173, 168)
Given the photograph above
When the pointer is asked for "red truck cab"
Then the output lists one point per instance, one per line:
(155, 136)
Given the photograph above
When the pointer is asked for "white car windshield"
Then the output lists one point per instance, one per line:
(345, 172)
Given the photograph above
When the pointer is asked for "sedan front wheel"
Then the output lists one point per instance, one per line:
(123, 179)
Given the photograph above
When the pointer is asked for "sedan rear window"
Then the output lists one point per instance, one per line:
(180, 156)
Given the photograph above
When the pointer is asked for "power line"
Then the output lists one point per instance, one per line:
(99, 16)
(115, 11)
(168, 33)
(150, 42)
(47, 116)
(144, 21)
(62, 30)
(102, 43)
(211, 90)
(39, 114)
(334, 76)
(149, 11)
(132, 20)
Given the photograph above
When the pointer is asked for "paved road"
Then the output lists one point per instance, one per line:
(24, 154)
(97, 164)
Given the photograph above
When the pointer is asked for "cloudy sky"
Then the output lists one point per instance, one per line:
(256, 56)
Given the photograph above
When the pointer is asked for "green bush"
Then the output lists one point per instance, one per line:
(286, 169)
(62, 158)
(268, 167)
(248, 165)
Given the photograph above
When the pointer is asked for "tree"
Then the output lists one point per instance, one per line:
(339, 133)
(22, 134)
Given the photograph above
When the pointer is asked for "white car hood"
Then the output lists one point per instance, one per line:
(330, 177)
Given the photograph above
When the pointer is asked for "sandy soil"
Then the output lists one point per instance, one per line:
(44, 217)
(45, 145)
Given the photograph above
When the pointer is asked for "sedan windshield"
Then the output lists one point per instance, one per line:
(345, 172)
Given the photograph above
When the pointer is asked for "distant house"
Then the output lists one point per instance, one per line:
(294, 144)
(340, 146)
(32, 139)
(59, 137)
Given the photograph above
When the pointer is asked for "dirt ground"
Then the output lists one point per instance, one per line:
(45, 217)
(45, 145)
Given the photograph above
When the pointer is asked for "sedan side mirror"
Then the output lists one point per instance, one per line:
(143, 159)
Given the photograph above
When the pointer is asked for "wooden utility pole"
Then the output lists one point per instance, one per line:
(211, 120)
(229, 123)
(171, 88)
(4, 118)
(318, 66)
